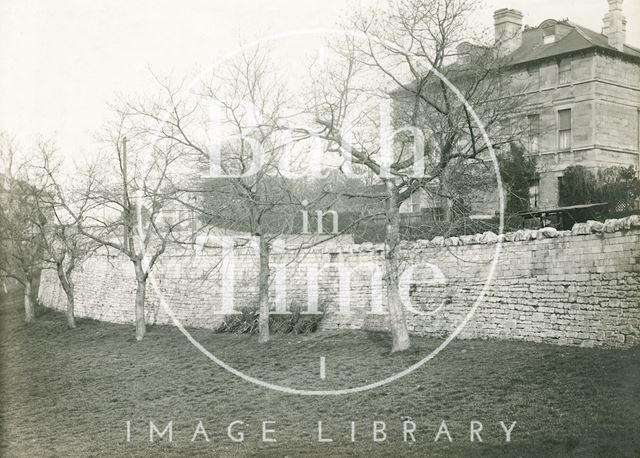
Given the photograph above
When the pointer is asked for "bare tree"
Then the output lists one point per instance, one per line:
(246, 190)
(416, 133)
(63, 244)
(122, 197)
(20, 218)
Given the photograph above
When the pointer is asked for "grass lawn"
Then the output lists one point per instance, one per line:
(70, 393)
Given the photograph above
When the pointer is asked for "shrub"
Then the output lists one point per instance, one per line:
(296, 322)
(245, 322)
(517, 170)
(577, 186)
(617, 186)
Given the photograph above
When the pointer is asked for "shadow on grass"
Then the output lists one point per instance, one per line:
(68, 393)
(382, 341)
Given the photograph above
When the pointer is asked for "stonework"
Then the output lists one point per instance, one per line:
(579, 287)
(603, 94)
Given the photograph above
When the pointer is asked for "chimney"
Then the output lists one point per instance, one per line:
(615, 25)
(508, 30)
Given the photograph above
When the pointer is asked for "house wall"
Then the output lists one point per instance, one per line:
(422, 198)
(617, 94)
(580, 287)
(604, 96)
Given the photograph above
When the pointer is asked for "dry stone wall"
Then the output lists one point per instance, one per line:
(579, 287)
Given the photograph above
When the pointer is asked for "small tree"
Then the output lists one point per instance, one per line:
(65, 248)
(577, 186)
(123, 193)
(518, 170)
(63, 244)
(20, 218)
(398, 49)
(249, 192)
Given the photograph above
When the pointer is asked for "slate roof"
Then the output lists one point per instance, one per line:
(578, 38)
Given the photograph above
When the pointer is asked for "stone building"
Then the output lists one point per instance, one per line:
(583, 99)
(584, 94)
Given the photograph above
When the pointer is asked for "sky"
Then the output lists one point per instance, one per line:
(63, 61)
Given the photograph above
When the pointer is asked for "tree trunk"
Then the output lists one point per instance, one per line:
(397, 321)
(263, 290)
(71, 320)
(67, 286)
(141, 291)
(29, 308)
(446, 199)
(447, 214)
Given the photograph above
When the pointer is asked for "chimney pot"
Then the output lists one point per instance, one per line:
(615, 25)
(508, 30)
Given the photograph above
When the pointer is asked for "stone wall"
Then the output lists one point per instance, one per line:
(579, 287)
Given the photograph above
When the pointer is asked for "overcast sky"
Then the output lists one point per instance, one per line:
(62, 61)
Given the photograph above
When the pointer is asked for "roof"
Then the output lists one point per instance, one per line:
(573, 38)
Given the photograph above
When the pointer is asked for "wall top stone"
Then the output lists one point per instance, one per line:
(590, 227)
(606, 229)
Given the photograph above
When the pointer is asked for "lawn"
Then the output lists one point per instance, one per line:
(71, 393)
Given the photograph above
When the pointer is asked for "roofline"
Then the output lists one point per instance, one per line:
(580, 30)
(593, 48)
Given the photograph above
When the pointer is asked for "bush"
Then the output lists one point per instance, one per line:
(617, 186)
(247, 322)
(577, 186)
(517, 170)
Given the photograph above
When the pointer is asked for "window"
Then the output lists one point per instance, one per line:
(564, 71)
(534, 132)
(509, 130)
(534, 194)
(564, 129)
(414, 202)
(408, 146)
(549, 35)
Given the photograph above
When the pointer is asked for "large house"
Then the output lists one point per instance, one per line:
(583, 97)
